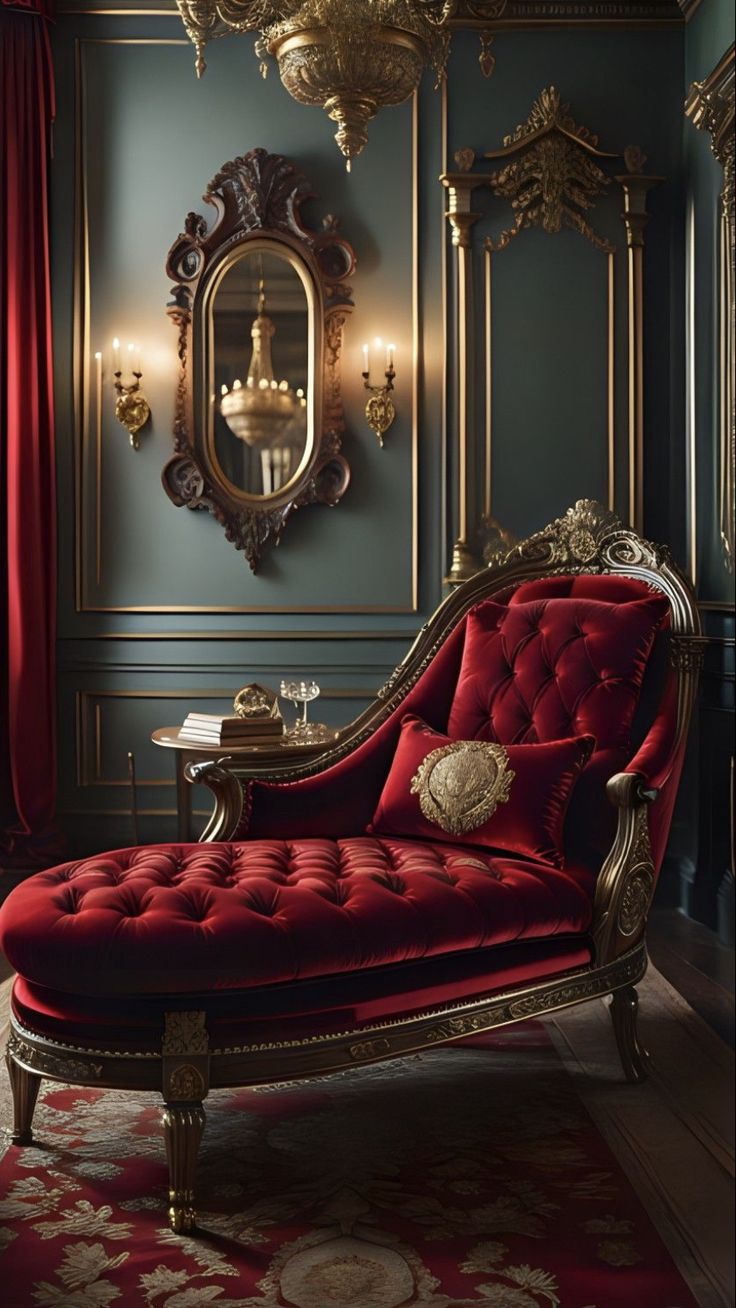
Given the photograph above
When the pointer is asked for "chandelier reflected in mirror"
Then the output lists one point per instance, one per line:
(266, 414)
(351, 57)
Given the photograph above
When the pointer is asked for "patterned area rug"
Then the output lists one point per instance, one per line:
(470, 1175)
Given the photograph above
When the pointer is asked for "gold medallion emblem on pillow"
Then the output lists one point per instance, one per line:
(461, 785)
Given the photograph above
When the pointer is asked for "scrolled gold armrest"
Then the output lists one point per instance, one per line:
(626, 881)
(626, 788)
(229, 797)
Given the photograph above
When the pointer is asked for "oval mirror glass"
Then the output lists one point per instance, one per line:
(262, 412)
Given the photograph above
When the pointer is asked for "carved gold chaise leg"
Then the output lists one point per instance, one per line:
(24, 1086)
(624, 1009)
(186, 1065)
(183, 1129)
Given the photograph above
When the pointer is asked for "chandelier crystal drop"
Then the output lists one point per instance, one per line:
(351, 57)
(260, 411)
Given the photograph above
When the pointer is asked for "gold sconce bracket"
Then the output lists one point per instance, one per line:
(380, 410)
(131, 407)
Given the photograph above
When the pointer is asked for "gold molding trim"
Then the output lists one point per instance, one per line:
(489, 15)
(710, 107)
(691, 393)
(611, 501)
(293, 634)
(80, 383)
(636, 184)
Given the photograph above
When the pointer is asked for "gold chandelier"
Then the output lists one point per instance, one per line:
(352, 57)
(260, 411)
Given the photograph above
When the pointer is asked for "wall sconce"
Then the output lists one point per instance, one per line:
(131, 406)
(379, 409)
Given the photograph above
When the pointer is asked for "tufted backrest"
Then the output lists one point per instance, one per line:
(562, 657)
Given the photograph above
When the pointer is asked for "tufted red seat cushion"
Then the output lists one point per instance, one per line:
(181, 919)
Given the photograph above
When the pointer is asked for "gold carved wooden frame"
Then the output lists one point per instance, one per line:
(257, 200)
(551, 170)
(588, 539)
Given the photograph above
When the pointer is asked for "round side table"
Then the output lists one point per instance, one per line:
(253, 760)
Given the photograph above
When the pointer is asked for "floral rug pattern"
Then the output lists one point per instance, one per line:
(467, 1176)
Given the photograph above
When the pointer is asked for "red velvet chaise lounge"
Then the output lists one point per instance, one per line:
(479, 847)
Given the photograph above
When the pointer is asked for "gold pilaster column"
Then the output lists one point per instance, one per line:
(710, 106)
(460, 187)
(635, 185)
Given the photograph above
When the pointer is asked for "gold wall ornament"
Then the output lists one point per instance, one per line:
(461, 785)
(710, 107)
(350, 57)
(551, 177)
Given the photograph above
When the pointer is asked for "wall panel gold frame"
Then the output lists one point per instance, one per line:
(81, 383)
(710, 106)
(550, 148)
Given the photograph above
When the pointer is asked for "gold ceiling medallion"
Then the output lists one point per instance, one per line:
(351, 57)
(551, 178)
(461, 785)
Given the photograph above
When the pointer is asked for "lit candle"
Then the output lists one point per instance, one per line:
(366, 367)
(390, 351)
(131, 359)
(223, 389)
(116, 355)
(236, 384)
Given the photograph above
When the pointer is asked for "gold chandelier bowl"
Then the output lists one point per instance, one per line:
(351, 57)
(258, 417)
(351, 80)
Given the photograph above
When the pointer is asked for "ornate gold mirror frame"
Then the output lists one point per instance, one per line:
(257, 199)
(710, 106)
(551, 171)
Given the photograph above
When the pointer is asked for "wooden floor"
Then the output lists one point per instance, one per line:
(695, 962)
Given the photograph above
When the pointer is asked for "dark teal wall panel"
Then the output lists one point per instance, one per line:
(550, 321)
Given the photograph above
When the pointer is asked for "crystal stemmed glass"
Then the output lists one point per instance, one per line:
(302, 690)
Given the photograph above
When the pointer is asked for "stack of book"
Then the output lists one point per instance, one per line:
(231, 732)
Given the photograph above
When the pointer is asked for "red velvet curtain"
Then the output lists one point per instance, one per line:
(27, 468)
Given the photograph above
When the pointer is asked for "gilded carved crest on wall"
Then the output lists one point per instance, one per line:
(551, 177)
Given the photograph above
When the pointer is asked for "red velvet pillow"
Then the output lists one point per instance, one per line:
(548, 669)
(475, 793)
